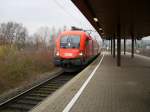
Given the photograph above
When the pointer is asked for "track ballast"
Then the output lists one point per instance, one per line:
(28, 100)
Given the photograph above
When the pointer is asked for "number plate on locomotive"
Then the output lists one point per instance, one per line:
(68, 54)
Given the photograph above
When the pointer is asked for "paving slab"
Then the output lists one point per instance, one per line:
(58, 101)
(111, 89)
(118, 89)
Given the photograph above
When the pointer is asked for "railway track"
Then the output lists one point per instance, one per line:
(27, 100)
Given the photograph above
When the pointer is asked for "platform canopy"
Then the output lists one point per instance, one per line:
(132, 16)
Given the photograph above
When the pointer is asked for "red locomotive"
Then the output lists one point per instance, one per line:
(74, 49)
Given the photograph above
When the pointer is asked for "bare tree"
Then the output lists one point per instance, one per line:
(42, 36)
(20, 36)
(12, 32)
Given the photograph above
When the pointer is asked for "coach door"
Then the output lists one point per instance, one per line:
(87, 49)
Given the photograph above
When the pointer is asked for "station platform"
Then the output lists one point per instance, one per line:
(110, 89)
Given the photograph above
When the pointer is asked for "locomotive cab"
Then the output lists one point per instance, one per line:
(68, 50)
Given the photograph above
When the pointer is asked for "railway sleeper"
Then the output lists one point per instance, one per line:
(34, 98)
(42, 92)
(47, 89)
(38, 95)
(26, 101)
(53, 84)
(22, 107)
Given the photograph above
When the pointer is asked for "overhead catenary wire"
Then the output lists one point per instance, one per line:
(68, 12)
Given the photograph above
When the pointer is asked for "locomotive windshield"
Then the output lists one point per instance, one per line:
(70, 41)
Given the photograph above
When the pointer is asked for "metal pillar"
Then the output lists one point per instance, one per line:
(124, 45)
(118, 33)
(132, 49)
(135, 46)
(103, 43)
(118, 51)
(118, 46)
(111, 45)
(114, 46)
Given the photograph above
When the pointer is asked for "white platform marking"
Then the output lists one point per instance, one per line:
(77, 95)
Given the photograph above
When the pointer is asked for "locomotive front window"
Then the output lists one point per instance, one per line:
(70, 41)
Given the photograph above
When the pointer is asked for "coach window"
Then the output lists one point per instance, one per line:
(87, 42)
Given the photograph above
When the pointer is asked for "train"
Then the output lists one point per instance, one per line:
(74, 50)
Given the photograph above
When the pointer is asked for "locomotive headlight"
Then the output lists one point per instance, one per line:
(81, 54)
(57, 53)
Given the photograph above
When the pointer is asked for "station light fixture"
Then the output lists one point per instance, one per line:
(102, 33)
(57, 53)
(100, 29)
(81, 54)
(95, 19)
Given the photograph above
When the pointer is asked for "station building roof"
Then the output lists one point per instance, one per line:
(132, 16)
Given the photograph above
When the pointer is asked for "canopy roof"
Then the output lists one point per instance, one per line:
(132, 16)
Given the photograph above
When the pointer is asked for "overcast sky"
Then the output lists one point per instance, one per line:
(36, 13)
